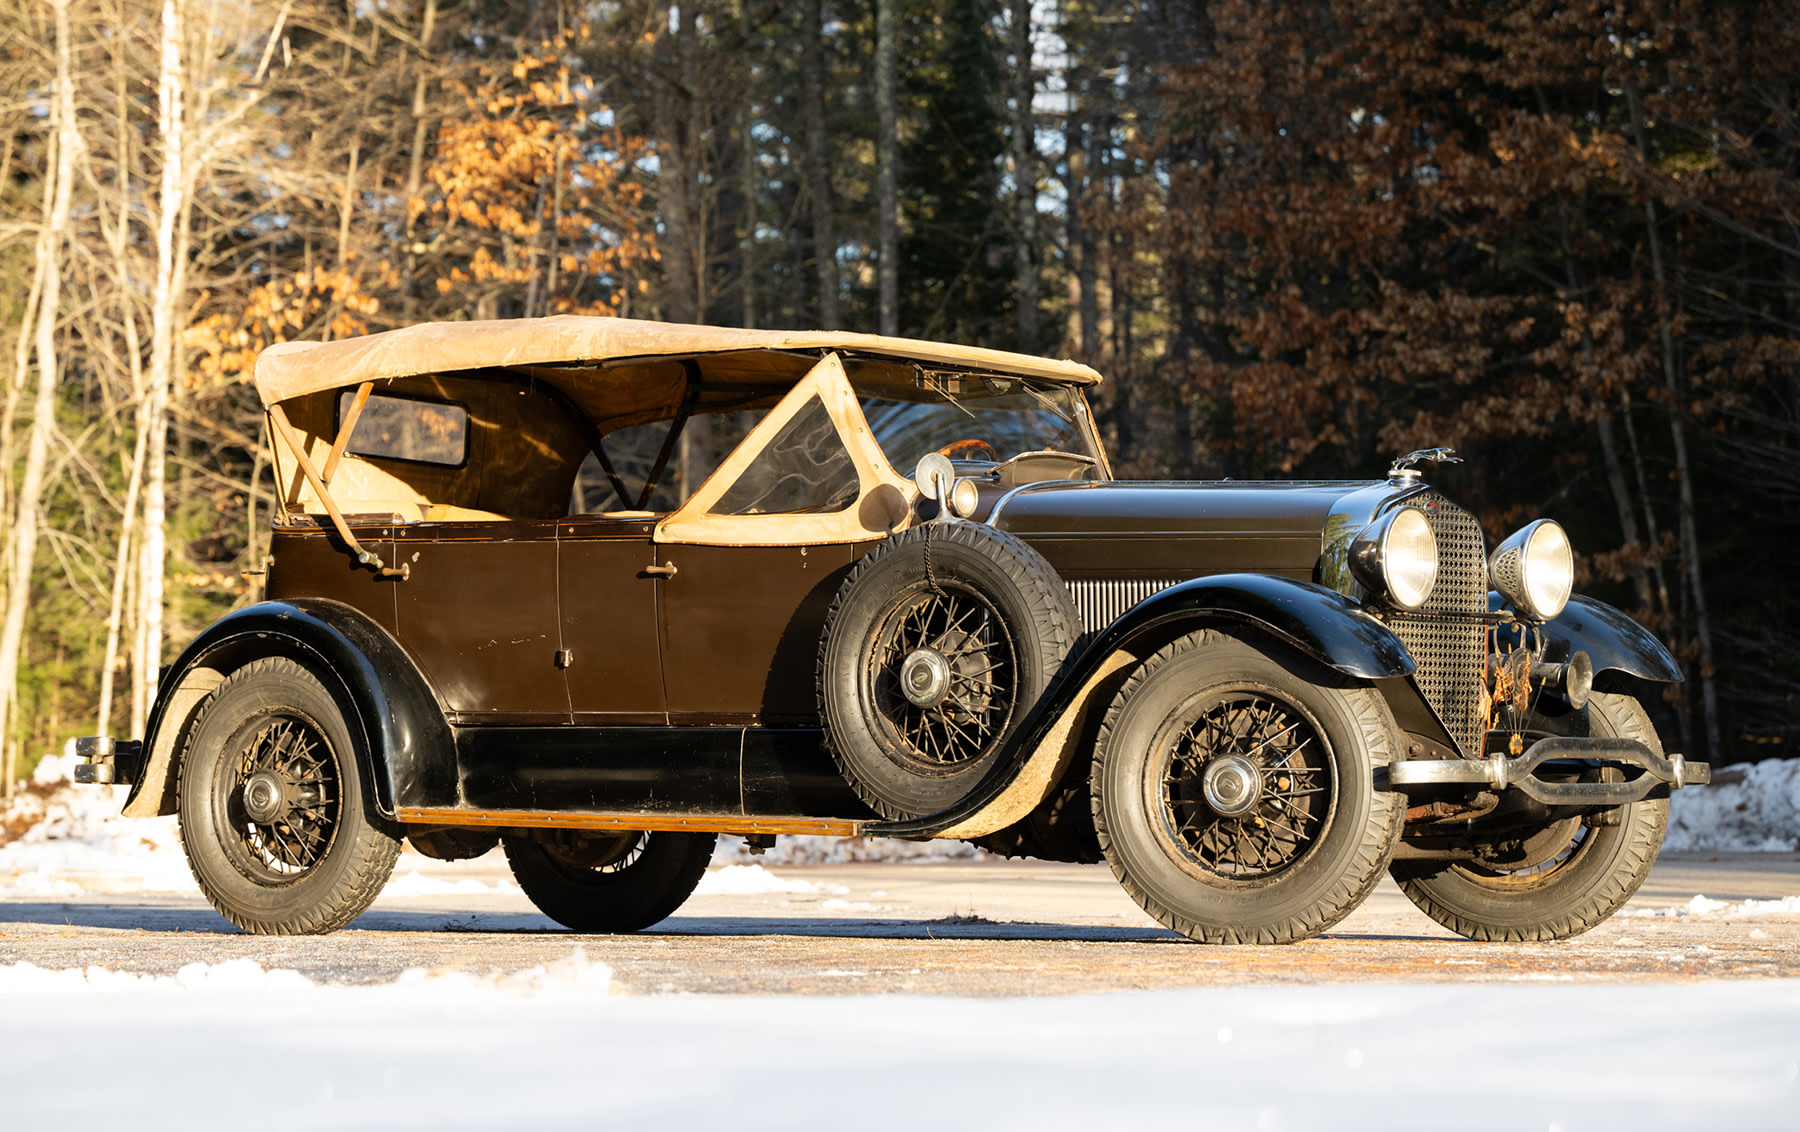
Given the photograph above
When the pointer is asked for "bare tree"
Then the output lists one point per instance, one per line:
(23, 534)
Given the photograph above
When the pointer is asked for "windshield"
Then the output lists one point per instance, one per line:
(968, 417)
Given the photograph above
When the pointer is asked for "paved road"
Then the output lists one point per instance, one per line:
(960, 929)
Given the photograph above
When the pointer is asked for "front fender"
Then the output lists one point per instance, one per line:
(1612, 640)
(407, 749)
(1321, 623)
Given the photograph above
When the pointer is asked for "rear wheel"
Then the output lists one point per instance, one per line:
(273, 807)
(1233, 791)
(621, 882)
(1560, 879)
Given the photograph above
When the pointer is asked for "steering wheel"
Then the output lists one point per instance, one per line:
(954, 447)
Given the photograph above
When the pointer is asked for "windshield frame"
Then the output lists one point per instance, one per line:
(939, 379)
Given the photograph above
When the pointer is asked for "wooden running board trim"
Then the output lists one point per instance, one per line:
(654, 823)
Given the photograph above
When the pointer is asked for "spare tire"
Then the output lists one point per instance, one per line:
(936, 648)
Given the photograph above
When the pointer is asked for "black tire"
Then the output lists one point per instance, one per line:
(1000, 623)
(600, 883)
(1581, 874)
(1316, 833)
(320, 858)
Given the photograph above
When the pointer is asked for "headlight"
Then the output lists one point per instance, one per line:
(1535, 569)
(965, 497)
(1396, 557)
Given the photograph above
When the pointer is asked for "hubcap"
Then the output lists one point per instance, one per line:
(1245, 786)
(1231, 785)
(925, 677)
(938, 678)
(263, 796)
(282, 800)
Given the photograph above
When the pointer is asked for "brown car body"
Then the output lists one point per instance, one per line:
(515, 662)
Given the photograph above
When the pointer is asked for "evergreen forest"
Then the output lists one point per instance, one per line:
(1299, 237)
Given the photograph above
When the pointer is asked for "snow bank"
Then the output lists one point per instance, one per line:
(552, 1047)
(1701, 907)
(803, 849)
(71, 839)
(751, 880)
(1748, 809)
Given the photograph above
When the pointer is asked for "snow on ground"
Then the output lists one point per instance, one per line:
(752, 880)
(805, 849)
(73, 840)
(234, 1043)
(1748, 808)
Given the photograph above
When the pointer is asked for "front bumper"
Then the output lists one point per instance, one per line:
(109, 760)
(1501, 773)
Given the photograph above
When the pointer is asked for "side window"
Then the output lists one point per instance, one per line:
(805, 470)
(406, 428)
(699, 449)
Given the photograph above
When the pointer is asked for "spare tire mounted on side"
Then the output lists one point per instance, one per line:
(935, 651)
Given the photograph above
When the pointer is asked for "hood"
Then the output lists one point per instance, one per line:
(1178, 530)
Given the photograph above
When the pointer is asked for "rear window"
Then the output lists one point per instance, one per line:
(407, 428)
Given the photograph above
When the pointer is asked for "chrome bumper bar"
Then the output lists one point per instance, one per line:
(1502, 773)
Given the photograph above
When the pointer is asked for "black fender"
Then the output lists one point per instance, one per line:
(1613, 641)
(1318, 622)
(407, 749)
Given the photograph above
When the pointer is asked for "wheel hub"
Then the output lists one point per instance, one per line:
(925, 677)
(1231, 785)
(265, 797)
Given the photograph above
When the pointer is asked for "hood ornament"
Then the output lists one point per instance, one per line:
(1405, 469)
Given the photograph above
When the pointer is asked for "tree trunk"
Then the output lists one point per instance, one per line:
(887, 191)
(43, 415)
(171, 234)
(1690, 539)
(672, 114)
(818, 168)
(1024, 155)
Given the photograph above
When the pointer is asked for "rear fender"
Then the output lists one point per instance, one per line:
(405, 747)
(1318, 622)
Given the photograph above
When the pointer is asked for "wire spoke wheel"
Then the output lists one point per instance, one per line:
(275, 809)
(1245, 788)
(940, 675)
(1554, 879)
(283, 799)
(607, 882)
(1234, 790)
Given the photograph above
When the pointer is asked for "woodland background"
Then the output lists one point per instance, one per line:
(1299, 238)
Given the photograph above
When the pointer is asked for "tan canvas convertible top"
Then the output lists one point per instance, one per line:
(613, 372)
(294, 369)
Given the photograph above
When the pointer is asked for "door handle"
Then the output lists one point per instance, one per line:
(667, 570)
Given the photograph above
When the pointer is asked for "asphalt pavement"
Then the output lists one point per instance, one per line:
(980, 929)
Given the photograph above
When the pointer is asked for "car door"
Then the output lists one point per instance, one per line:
(612, 657)
(750, 563)
(478, 612)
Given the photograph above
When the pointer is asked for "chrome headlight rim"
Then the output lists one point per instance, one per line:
(1396, 558)
(1534, 569)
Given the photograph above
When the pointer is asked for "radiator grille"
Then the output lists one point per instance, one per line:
(1101, 602)
(1450, 652)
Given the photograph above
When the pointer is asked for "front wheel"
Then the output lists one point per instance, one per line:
(596, 882)
(273, 806)
(1234, 791)
(1564, 877)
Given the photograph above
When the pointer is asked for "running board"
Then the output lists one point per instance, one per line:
(652, 823)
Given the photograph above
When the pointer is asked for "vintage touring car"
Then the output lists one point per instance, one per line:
(599, 590)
